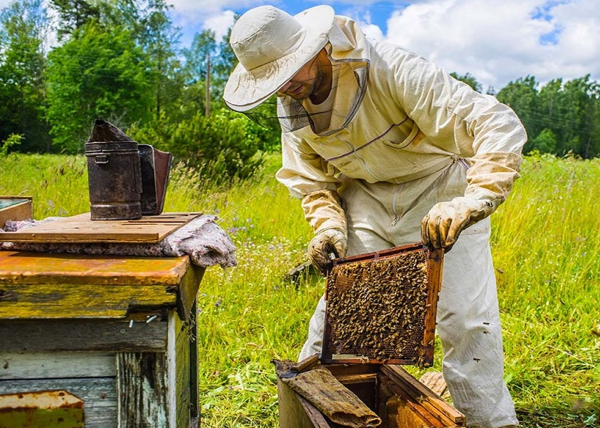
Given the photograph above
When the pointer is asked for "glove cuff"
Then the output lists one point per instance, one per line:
(323, 211)
(491, 176)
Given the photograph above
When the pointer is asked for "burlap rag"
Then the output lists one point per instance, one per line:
(331, 397)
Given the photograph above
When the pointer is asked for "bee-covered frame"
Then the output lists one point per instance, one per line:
(422, 347)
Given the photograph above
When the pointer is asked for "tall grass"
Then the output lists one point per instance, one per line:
(545, 244)
(547, 249)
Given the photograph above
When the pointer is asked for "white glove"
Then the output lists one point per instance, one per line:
(443, 224)
(325, 243)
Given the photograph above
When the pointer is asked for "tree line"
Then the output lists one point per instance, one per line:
(65, 63)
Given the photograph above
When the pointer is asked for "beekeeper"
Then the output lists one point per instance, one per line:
(385, 149)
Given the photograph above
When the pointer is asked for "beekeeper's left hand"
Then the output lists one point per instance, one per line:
(441, 227)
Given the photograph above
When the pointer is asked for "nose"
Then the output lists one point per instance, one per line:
(286, 86)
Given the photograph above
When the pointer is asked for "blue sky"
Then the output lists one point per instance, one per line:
(497, 41)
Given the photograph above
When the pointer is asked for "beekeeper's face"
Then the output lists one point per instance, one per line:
(311, 80)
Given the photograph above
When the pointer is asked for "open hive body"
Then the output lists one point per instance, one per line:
(392, 393)
(381, 310)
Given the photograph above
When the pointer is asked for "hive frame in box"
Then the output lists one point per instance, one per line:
(334, 354)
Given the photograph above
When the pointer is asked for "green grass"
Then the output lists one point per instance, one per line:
(546, 248)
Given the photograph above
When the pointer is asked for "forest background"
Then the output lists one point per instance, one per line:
(65, 63)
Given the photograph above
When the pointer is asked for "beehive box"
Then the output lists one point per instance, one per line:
(15, 208)
(392, 393)
(381, 307)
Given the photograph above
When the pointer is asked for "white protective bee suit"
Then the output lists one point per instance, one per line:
(417, 138)
(397, 136)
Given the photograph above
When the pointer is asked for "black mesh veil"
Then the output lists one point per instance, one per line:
(348, 87)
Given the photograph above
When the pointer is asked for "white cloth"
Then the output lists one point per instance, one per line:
(418, 137)
(468, 320)
(412, 120)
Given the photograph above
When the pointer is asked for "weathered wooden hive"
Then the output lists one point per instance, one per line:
(381, 310)
(101, 340)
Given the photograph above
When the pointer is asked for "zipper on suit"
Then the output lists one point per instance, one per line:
(396, 215)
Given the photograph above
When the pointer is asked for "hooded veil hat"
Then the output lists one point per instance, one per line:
(272, 46)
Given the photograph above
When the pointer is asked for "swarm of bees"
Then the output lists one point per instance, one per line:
(377, 308)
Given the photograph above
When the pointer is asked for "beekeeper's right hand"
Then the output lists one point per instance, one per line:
(325, 244)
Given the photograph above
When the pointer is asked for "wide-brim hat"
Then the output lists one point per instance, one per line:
(272, 46)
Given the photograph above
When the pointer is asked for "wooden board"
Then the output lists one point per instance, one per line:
(41, 410)
(43, 268)
(423, 395)
(83, 335)
(40, 365)
(39, 285)
(99, 395)
(81, 229)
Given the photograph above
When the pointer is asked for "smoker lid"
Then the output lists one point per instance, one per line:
(104, 132)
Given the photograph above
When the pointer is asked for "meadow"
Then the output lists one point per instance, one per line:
(546, 248)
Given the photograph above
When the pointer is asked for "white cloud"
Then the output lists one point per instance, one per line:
(220, 23)
(501, 41)
(195, 16)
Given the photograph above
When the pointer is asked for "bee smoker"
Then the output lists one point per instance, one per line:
(126, 179)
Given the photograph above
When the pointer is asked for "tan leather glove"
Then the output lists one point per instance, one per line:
(443, 224)
(325, 243)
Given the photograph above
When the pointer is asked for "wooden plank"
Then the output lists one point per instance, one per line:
(84, 335)
(425, 395)
(424, 406)
(99, 396)
(43, 268)
(182, 358)
(41, 410)
(65, 301)
(178, 373)
(350, 379)
(187, 291)
(81, 229)
(193, 367)
(296, 412)
(435, 381)
(435, 266)
(41, 365)
(142, 385)
(410, 407)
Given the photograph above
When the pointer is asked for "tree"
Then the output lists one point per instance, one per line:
(222, 146)
(581, 99)
(544, 142)
(197, 70)
(98, 73)
(521, 96)
(158, 38)
(74, 14)
(22, 63)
